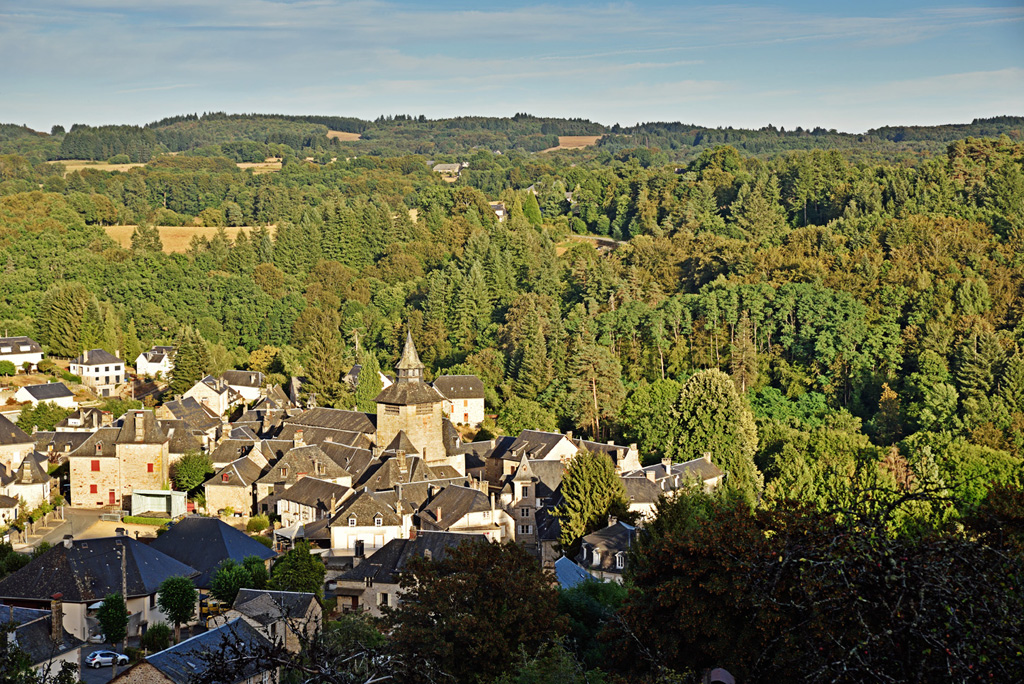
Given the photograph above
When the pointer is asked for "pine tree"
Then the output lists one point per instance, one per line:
(191, 360)
(590, 491)
(534, 367)
(1011, 386)
(595, 387)
(710, 417)
(980, 360)
(370, 384)
(743, 358)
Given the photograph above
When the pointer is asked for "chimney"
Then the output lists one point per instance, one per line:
(650, 475)
(334, 504)
(666, 463)
(611, 442)
(121, 532)
(492, 501)
(57, 618)
(298, 440)
(437, 514)
(707, 456)
(403, 466)
(140, 426)
(568, 435)
(375, 451)
(68, 540)
(117, 353)
(612, 520)
(412, 533)
(359, 549)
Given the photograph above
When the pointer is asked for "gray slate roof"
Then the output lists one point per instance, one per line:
(453, 503)
(240, 378)
(265, 606)
(460, 386)
(335, 419)
(409, 394)
(16, 343)
(193, 413)
(96, 357)
(34, 636)
(242, 472)
(184, 664)
(91, 569)
(49, 391)
(204, 542)
(365, 506)
(12, 434)
(388, 561)
(318, 494)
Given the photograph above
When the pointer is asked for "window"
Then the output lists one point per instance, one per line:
(225, 477)
(526, 492)
(424, 409)
(391, 410)
(284, 471)
(149, 467)
(383, 599)
(620, 562)
(352, 521)
(378, 521)
(526, 529)
(96, 464)
(106, 369)
(94, 489)
(152, 601)
(524, 512)
(465, 403)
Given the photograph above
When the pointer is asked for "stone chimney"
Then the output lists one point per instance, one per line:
(403, 465)
(612, 520)
(140, 426)
(611, 442)
(375, 451)
(57, 618)
(69, 540)
(412, 533)
(707, 456)
(650, 475)
(299, 439)
(568, 435)
(666, 463)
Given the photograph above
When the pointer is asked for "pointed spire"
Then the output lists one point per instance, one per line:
(410, 368)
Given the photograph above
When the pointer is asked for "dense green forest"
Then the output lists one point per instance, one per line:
(864, 310)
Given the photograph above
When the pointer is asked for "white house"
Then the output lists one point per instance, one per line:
(368, 521)
(54, 393)
(100, 370)
(20, 350)
(156, 361)
(463, 398)
(247, 383)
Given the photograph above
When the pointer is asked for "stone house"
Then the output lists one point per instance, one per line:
(99, 370)
(53, 393)
(300, 461)
(84, 571)
(371, 585)
(234, 486)
(84, 420)
(290, 618)
(310, 499)
(29, 482)
(21, 350)
(204, 420)
(624, 458)
(40, 634)
(158, 361)
(463, 398)
(116, 460)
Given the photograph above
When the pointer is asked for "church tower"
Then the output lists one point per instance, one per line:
(413, 407)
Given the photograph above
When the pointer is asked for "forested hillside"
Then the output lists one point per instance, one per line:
(865, 312)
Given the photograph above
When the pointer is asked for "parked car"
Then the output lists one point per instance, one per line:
(101, 658)
(97, 638)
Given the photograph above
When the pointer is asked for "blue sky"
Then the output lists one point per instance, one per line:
(844, 65)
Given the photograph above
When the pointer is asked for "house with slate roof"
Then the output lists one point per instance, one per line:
(158, 361)
(603, 553)
(188, 661)
(53, 393)
(15, 443)
(289, 618)
(464, 509)
(669, 477)
(84, 571)
(200, 418)
(84, 420)
(21, 350)
(234, 486)
(310, 499)
(29, 481)
(99, 370)
(300, 461)
(203, 543)
(40, 634)
(367, 519)
(624, 458)
(249, 384)
(215, 394)
(372, 583)
(463, 398)
(116, 460)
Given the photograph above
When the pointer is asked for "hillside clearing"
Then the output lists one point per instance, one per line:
(79, 164)
(174, 238)
(574, 142)
(342, 135)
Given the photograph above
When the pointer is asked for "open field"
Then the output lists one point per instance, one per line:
(342, 135)
(79, 164)
(574, 142)
(174, 238)
(268, 165)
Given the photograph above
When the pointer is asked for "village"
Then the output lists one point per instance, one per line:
(364, 492)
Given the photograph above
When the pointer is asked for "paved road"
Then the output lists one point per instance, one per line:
(85, 524)
(100, 675)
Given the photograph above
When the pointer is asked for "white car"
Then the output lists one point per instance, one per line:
(101, 658)
(97, 638)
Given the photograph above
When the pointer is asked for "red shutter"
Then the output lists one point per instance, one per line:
(95, 466)
(113, 497)
(93, 489)
(149, 467)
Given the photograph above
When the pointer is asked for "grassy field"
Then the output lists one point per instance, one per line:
(174, 238)
(574, 142)
(342, 135)
(269, 165)
(79, 164)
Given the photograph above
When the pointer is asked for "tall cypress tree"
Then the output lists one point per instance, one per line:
(370, 384)
(590, 491)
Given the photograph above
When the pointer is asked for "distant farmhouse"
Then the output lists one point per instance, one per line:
(21, 350)
(156, 361)
(99, 370)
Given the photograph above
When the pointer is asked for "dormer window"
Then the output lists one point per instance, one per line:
(352, 521)
(284, 471)
(225, 477)
(620, 561)
(378, 521)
